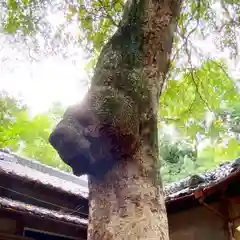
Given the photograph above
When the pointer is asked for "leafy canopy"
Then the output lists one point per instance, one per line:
(28, 136)
(200, 100)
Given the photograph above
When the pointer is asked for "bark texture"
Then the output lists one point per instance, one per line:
(112, 135)
(129, 203)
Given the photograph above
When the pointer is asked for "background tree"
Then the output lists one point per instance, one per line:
(204, 111)
(179, 159)
(218, 21)
(28, 135)
(11, 111)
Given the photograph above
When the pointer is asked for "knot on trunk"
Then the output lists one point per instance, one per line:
(97, 133)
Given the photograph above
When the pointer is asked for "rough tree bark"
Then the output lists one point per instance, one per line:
(127, 202)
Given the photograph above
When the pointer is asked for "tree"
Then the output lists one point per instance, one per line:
(179, 159)
(28, 136)
(207, 112)
(206, 90)
(12, 112)
(128, 202)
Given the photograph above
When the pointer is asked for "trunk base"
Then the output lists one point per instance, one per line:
(127, 204)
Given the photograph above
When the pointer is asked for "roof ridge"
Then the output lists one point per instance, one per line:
(38, 166)
(41, 211)
(196, 181)
(178, 188)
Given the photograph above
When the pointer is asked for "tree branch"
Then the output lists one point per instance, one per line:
(107, 14)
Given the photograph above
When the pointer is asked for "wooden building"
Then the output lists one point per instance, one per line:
(39, 202)
(207, 206)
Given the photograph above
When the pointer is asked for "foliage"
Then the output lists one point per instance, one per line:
(178, 159)
(200, 100)
(28, 136)
(203, 107)
(98, 19)
(11, 112)
(189, 102)
(25, 135)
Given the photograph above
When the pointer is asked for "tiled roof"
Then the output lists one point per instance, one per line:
(12, 205)
(12, 164)
(15, 166)
(193, 183)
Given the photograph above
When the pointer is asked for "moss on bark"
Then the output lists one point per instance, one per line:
(128, 203)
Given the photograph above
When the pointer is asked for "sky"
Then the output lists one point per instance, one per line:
(51, 78)
(54, 78)
(39, 84)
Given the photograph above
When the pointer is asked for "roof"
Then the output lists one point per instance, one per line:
(16, 206)
(202, 182)
(32, 171)
(14, 165)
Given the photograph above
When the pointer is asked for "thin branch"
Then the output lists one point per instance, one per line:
(107, 14)
(231, 20)
(186, 39)
(185, 45)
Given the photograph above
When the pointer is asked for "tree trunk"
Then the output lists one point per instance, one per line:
(128, 203)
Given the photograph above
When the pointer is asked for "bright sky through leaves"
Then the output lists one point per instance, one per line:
(49, 66)
(36, 82)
